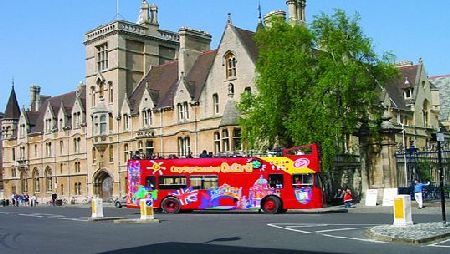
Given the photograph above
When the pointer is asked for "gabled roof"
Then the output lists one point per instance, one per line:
(199, 72)
(158, 81)
(67, 100)
(230, 115)
(12, 107)
(395, 88)
(248, 41)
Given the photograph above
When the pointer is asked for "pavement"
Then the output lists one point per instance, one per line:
(414, 234)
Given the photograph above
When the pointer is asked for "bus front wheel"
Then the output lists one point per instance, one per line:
(170, 205)
(271, 205)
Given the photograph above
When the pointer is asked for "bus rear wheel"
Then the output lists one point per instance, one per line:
(271, 205)
(170, 205)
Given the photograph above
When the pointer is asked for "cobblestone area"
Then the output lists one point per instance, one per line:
(418, 233)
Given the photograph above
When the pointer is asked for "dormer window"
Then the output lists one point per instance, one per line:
(48, 125)
(76, 120)
(408, 93)
(61, 124)
(22, 130)
(146, 117)
(183, 111)
(126, 122)
(230, 65)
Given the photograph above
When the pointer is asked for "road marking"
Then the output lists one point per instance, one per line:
(335, 236)
(271, 225)
(335, 229)
(438, 244)
(297, 230)
(73, 219)
(4, 212)
(31, 215)
(366, 240)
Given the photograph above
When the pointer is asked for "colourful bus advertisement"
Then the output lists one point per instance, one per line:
(271, 183)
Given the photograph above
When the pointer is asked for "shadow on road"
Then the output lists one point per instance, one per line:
(197, 248)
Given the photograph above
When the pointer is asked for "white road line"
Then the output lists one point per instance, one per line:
(4, 212)
(335, 229)
(307, 226)
(438, 244)
(271, 225)
(367, 240)
(297, 230)
(72, 219)
(335, 236)
(30, 215)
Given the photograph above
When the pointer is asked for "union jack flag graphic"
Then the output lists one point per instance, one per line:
(186, 196)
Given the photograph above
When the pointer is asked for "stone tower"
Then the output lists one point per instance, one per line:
(296, 11)
(118, 55)
(11, 118)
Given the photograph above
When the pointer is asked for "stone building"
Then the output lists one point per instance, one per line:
(158, 92)
(163, 94)
(1, 155)
(443, 84)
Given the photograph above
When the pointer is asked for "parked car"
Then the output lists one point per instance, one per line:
(120, 202)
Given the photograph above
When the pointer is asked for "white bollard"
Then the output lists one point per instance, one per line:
(147, 212)
(97, 208)
(402, 211)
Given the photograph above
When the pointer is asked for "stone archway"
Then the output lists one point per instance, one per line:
(103, 185)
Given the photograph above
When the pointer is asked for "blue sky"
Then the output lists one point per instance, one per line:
(41, 41)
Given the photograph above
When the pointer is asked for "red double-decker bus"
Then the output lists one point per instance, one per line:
(273, 183)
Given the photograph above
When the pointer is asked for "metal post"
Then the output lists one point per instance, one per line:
(404, 155)
(441, 176)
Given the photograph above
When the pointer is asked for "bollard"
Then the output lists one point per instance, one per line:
(97, 208)
(147, 209)
(402, 210)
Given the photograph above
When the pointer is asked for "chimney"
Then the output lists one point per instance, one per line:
(154, 15)
(271, 15)
(192, 44)
(301, 11)
(144, 18)
(292, 10)
(35, 97)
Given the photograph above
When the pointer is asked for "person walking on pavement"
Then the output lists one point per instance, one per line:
(418, 188)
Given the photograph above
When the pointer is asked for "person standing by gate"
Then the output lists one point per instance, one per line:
(418, 189)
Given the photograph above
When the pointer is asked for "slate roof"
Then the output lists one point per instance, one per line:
(12, 107)
(395, 88)
(162, 82)
(36, 118)
(247, 39)
(230, 115)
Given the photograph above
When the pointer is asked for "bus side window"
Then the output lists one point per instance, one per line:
(276, 181)
(204, 182)
(172, 182)
(302, 180)
(150, 182)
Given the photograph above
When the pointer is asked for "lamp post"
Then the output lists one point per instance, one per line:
(404, 154)
(439, 139)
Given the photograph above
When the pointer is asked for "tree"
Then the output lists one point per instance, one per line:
(314, 84)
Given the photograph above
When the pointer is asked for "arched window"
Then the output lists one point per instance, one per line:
(215, 103)
(230, 65)
(230, 89)
(49, 179)
(36, 183)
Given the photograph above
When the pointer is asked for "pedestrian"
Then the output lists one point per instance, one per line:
(33, 200)
(418, 189)
(348, 198)
(204, 154)
(13, 199)
(338, 197)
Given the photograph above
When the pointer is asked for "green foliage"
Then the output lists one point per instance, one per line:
(315, 84)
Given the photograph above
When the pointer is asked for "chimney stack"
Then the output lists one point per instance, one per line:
(192, 44)
(35, 97)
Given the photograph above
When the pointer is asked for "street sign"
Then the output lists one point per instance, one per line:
(440, 137)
